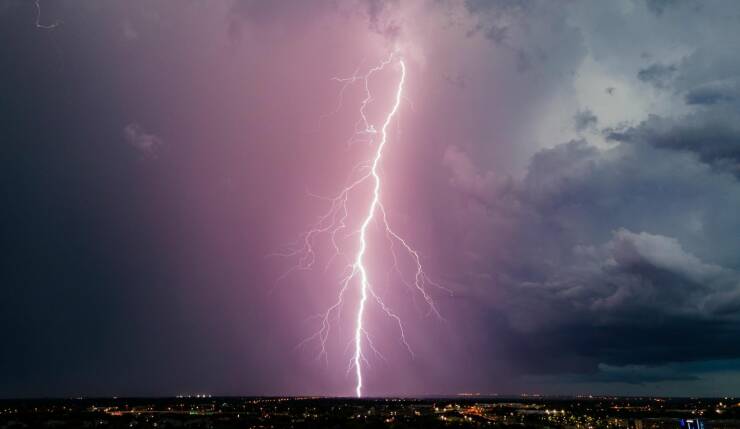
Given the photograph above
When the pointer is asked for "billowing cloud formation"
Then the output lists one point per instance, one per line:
(623, 252)
(594, 246)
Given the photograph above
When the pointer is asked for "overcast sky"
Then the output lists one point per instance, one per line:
(570, 170)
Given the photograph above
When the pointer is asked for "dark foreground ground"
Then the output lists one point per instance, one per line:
(459, 412)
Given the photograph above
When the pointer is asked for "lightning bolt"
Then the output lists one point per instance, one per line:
(51, 26)
(359, 264)
(334, 225)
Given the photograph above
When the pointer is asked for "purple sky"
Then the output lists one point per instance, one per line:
(569, 170)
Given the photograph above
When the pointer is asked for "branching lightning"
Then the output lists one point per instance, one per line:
(334, 225)
(359, 265)
(51, 26)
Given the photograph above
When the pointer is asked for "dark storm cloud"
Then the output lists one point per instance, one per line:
(658, 75)
(713, 93)
(583, 269)
(585, 119)
(658, 7)
(499, 6)
(599, 258)
(616, 260)
(495, 27)
(497, 33)
(613, 250)
(638, 374)
(647, 378)
(708, 81)
(713, 136)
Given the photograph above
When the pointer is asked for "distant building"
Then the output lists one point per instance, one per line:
(692, 424)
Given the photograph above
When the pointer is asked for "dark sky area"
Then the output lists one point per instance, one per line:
(568, 170)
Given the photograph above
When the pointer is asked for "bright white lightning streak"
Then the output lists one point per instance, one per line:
(360, 260)
(334, 225)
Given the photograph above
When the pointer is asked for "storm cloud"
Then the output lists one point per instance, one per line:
(571, 171)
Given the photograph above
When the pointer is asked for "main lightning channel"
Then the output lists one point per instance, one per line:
(334, 224)
(360, 260)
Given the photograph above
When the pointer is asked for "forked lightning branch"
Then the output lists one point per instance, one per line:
(334, 225)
